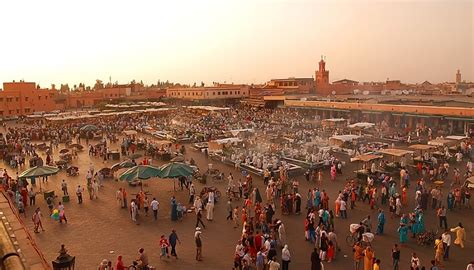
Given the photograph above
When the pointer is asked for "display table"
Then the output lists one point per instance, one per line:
(114, 155)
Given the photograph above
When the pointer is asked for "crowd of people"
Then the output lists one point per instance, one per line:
(263, 242)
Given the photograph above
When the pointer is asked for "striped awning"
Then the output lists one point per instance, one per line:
(371, 112)
(459, 119)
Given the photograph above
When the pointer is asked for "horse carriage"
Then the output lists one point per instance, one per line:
(72, 171)
(107, 172)
(61, 164)
(67, 157)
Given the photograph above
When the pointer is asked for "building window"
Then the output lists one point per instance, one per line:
(1, 112)
(27, 110)
(39, 97)
(9, 99)
(219, 93)
(1, 99)
(213, 93)
(17, 111)
(26, 98)
(17, 99)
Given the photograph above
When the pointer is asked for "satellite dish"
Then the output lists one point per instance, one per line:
(333, 93)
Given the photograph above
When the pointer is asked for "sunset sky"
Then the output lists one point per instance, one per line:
(245, 41)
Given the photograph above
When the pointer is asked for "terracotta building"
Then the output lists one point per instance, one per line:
(125, 92)
(322, 79)
(22, 98)
(303, 85)
(216, 92)
(346, 86)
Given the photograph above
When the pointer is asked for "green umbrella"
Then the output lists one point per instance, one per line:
(39, 171)
(123, 164)
(88, 128)
(141, 172)
(175, 169)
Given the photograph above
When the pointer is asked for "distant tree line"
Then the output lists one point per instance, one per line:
(99, 84)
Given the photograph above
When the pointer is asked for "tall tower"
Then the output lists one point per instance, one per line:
(322, 78)
(458, 77)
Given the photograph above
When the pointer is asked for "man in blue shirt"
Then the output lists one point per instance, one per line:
(173, 238)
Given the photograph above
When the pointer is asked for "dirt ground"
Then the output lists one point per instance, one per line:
(99, 229)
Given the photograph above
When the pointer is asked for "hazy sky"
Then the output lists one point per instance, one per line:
(235, 41)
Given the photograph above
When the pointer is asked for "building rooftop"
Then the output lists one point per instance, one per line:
(345, 81)
(293, 79)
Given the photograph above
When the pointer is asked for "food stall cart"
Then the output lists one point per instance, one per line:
(421, 148)
(364, 172)
(399, 158)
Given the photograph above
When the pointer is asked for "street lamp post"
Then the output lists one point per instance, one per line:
(64, 261)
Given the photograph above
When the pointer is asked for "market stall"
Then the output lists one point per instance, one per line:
(343, 141)
(424, 151)
(399, 158)
(334, 123)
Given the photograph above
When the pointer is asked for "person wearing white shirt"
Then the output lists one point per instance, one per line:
(211, 197)
(285, 257)
(343, 209)
(210, 210)
(155, 206)
(239, 249)
(267, 246)
(134, 210)
(446, 238)
(320, 213)
(247, 259)
(192, 191)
